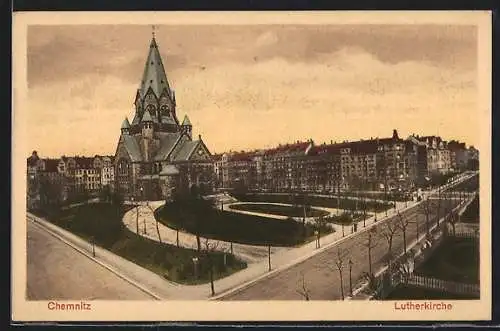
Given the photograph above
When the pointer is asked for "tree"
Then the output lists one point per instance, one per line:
(105, 194)
(192, 207)
(156, 222)
(209, 249)
(402, 224)
(319, 225)
(388, 231)
(339, 264)
(453, 220)
(364, 207)
(304, 290)
(425, 206)
(371, 242)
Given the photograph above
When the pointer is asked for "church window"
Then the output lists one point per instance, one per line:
(151, 81)
(151, 62)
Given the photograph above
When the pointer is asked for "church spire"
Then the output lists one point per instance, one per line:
(154, 75)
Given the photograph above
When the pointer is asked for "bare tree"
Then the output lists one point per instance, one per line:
(371, 242)
(209, 249)
(156, 222)
(402, 224)
(388, 231)
(137, 218)
(339, 264)
(453, 220)
(425, 207)
(319, 223)
(364, 208)
(304, 290)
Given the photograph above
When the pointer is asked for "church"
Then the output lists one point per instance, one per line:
(156, 155)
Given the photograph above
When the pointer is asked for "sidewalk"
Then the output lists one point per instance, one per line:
(157, 286)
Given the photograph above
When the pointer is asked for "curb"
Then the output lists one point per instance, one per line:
(39, 222)
(316, 251)
(304, 257)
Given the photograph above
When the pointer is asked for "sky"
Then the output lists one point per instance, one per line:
(254, 86)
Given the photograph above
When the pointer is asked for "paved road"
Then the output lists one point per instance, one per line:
(58, 271)
(321, 278)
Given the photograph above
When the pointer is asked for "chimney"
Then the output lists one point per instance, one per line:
(395, 134)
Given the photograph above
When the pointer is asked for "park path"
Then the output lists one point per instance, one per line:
(227, 207)
(147, 228)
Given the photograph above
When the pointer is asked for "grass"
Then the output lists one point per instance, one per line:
(238, 228)
(345, 219)
(103, 222)
(470, 185)
(290, 211)
(391, 196)
(404, 292)
(342, 203)
(471, 213)
(456, 259)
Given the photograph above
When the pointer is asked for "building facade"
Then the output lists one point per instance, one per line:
(381, 164)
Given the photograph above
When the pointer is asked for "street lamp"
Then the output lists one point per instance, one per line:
(195, 263)
(93, 246)
(142, 193)
(316, 234)
(350, 275)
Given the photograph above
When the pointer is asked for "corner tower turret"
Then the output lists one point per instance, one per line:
(187, 127)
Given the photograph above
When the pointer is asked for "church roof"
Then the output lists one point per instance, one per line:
(136, 119)
(169, 170)
(154, 75)
(132, 147)
(167, 143)
(186, 150)
(125, 124)
(167, 120)
(186, 121)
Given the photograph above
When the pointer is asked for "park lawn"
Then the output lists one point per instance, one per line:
(471, 213)
(318, 201)
(456, 259)
(237, 228)
(470, 185)
(404, 292)
(103, 223)
(345, 219)
(290, 211)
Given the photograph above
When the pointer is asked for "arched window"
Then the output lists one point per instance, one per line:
(123, 167)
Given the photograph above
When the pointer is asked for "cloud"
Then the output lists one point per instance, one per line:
(346, 94)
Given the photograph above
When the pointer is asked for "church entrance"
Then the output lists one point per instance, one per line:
(149, 189)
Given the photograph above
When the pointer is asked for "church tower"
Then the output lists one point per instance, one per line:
(155, 95)
(187, 127)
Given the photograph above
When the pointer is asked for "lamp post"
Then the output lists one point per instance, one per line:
(269, 256)
(350, 276)
(195, 264)
(93, 246)
(316, 234)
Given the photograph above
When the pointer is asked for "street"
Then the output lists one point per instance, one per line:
(322, 278)
(56, 271)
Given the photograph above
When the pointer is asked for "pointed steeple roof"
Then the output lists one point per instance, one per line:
(125, 124)
(186, 121)
(147, 117)
(154, 75)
